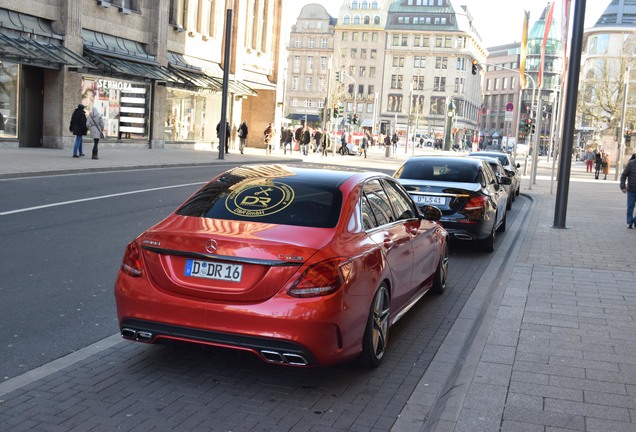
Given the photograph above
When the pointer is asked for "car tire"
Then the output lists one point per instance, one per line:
(509, 201)
(488, 244)
(441, 274)
(376, 334)
(502, 226)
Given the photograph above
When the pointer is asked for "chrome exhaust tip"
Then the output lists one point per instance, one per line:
(295, 359)
(144, 336)
(127, 333)
(272, 356)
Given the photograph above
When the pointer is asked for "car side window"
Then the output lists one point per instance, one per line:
(488, 175)
(481, 179)
(378, 202)
(401, 203)
(368, 218)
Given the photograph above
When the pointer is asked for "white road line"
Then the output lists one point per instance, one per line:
(27, 209)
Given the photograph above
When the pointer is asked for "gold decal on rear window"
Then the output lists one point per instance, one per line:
(259, 200)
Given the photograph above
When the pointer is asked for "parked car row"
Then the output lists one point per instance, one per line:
(306, 267)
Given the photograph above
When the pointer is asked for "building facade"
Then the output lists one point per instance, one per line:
(154, 68)
(608, 81)
(502, 116)
(309, 65)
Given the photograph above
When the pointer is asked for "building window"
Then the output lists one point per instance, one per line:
(376, 20)
(363, 71)
(360, 89)
(294, 83)
(324, 43)
(374, 54)
(323, 63)
(441, 62)
(365, 36)
(419, 61)
(356, 20)
(459, 85)
(375, 37)
(426, 41)
(371, 90)
(347, 20)
(438, 105)
(439, 41)
(298, 42)
(367, 20)
(354, 53)
(418, 83)
(308, 103)
(448, 42)
(178, 13)
(371, 71)
(355, 36)
(363, 53)
(398, 61)
(321, 85)
(296, 63)
(9, 89)
(394, 103)
(396, 81)
(309, 85)
(294, 102)
(345, 36)
(310, 63)
(439, 84)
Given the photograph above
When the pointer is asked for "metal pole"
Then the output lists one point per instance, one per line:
(226, 78)
(621, 147)
(565, 163)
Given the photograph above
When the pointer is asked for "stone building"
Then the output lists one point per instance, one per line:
(154, 68)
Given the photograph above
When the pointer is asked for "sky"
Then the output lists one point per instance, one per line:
(498, 21)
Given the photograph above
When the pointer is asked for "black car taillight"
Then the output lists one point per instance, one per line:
(131, 264)
(475, 208)
(322, 279)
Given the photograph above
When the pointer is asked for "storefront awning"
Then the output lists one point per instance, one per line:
(258, 81)
(43, 53)
(117, 67)
(205, 72)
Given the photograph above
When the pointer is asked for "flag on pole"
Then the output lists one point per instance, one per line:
(524, 50)
(565, 30)
(546, 32)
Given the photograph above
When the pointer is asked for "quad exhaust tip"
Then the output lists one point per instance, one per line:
(284, 358)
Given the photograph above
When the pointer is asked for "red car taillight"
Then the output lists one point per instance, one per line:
(322, 279)
(131, 264)
(475, 208)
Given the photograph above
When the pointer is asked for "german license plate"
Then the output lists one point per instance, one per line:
(213, 270)
(436, 200)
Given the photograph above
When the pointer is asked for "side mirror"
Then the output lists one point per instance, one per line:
(505, 180)
(431, 213)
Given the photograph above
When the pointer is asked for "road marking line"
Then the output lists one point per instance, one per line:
(27, 209)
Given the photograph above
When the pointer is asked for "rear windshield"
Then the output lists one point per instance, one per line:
(439, 170)
(281, 201)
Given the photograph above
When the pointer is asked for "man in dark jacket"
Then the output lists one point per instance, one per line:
(227, 135)
(79, 129)
(629, 177)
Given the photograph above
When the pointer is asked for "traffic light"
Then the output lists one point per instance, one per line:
(335, 111)
(533, 128)
(337, 76)
(528, 126)
(475, 67)
(628, 138)
(355, 119)
(349, 118)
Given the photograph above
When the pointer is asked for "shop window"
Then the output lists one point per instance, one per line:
(9, 100)
(185, 117)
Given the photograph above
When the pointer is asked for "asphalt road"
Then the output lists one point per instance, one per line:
(62, 241)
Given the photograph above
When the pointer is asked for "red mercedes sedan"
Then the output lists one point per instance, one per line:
(303, 267)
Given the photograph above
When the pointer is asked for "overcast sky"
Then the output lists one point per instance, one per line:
(497, 21)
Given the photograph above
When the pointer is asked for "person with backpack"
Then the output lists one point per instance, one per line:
(79, 128)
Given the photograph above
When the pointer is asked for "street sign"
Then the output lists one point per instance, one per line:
(509, 106)
(508, 116)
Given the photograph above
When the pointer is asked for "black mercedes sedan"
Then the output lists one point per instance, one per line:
(471, 198)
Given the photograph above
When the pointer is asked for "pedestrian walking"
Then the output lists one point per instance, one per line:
(79, 128)
(288, 140)
(325, 145)
(605, 164)
(628, 186)
(96, 124)
(394, 141)
(598, 160)
(242, 134)
(364, 145)
(305, 140)
(227, 135)
(589, 160)
(318, 140)
(268, 137)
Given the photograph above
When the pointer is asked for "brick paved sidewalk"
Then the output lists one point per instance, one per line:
(556, 349)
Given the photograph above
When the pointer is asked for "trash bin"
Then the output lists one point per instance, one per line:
(387, 150)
